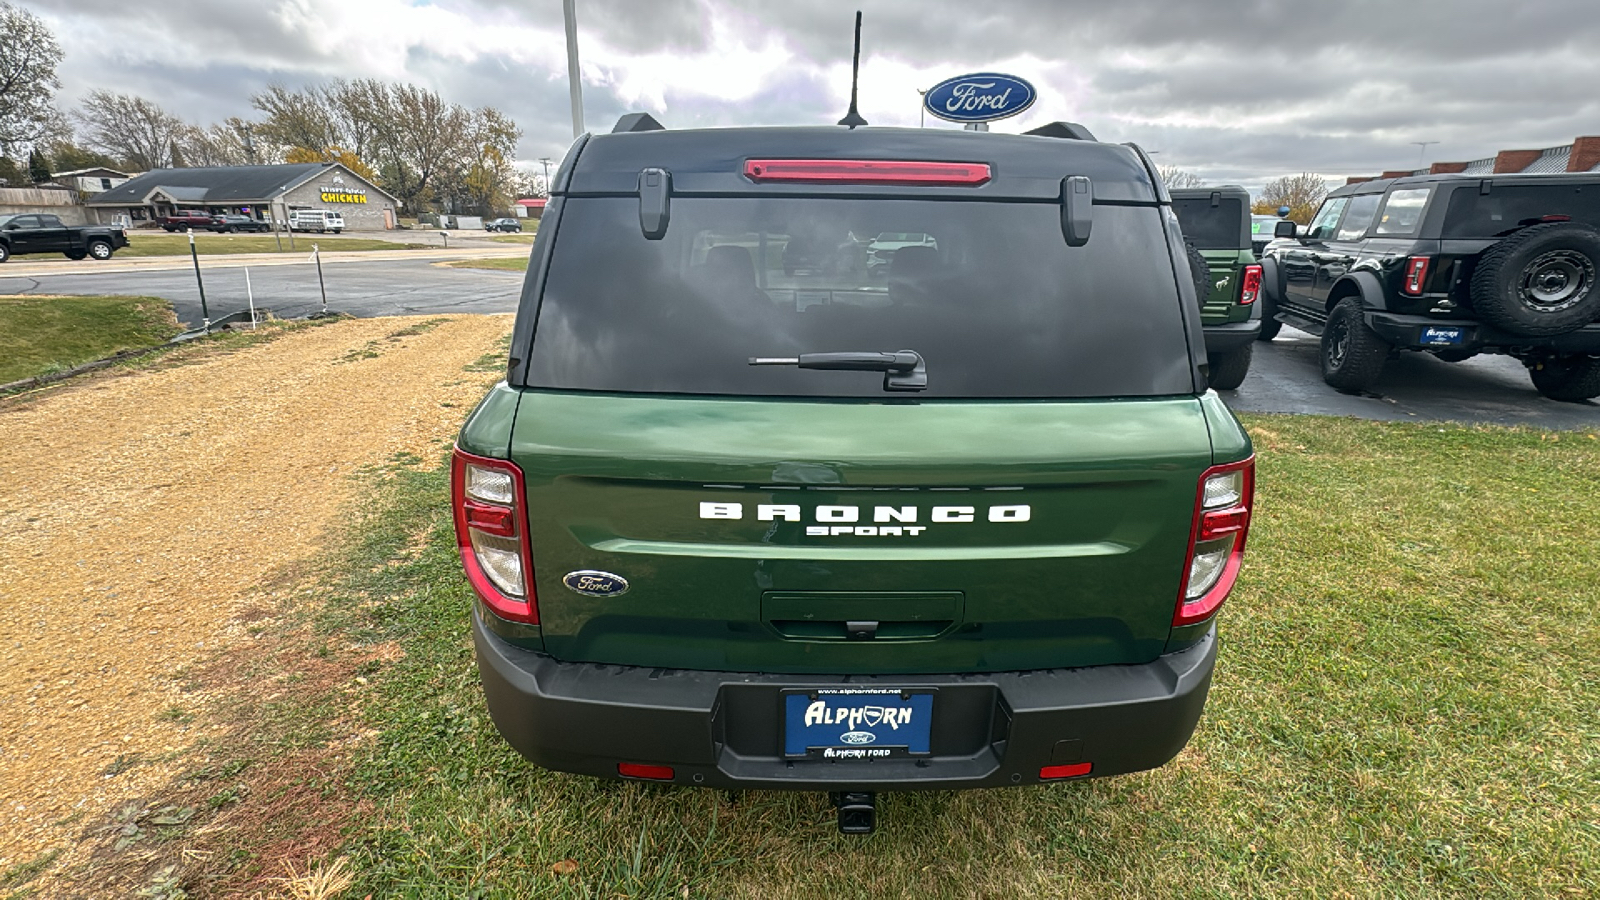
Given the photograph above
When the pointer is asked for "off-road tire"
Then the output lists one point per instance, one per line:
(1352, 353)
(1571, 379)
(1228, 367)
(1540, 281)
(1270, 326)
(100, 250)
(75, 254)
(1199, 271)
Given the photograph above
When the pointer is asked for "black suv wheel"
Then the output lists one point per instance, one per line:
(1352, 353)
(1541, 280)
(1568, 378)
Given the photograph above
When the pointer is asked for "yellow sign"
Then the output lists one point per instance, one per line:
(344, 195)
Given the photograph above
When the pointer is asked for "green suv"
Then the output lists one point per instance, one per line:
(1217, 222)
(958, 515)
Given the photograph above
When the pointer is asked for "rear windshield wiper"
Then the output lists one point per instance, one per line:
(903, 370)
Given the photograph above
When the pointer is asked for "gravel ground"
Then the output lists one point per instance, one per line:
(139, 514)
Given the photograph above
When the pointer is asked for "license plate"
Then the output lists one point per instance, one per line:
(857, 723)
(1435, 336)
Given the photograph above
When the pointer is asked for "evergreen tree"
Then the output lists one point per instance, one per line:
(38, 168)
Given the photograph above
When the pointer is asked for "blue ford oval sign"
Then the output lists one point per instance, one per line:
(983, 97)
(596, 584)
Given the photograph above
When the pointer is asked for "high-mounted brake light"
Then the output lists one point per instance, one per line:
(867, 171)
(1250, 285)
(1416, 273)
(486, 495)
(1216, 539)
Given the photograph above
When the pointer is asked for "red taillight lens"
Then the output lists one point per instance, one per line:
(640, 770)
(867, 171)
(487, 496)
(1416, 274)
(1250, 285)
(1072, 770)
(1216, 539)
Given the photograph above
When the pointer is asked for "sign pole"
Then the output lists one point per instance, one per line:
(205, 314)
(570, 14)
(250, 295)
(316, 254)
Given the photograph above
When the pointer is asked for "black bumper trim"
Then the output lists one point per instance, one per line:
(1233, 335)
(720, 729)
(1406, 331)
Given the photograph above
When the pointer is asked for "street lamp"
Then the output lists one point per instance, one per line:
(573, 82)
(1422, 150)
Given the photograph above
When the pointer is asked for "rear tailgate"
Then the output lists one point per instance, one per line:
(978, 536)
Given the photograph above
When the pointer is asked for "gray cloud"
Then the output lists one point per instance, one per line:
(1242, 90)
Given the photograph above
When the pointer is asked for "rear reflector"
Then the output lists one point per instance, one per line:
(1071, 770)
(487, 496)
(1250, 285)
(867, 171)
(640, 770)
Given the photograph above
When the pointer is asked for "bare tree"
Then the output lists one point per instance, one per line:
(1179, 178)
(1302, 193)
(224, 144)
(28, 57)
(132, 129)
(294, 119)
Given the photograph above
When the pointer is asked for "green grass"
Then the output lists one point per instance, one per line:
(1405, 706)
(39, 335)
(503, 264)
(525, 237)
(150, 244)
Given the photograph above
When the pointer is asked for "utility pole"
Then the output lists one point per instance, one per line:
(545, 161)
(573, 82)
(1422, 150)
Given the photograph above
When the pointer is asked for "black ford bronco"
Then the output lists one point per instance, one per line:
(852, 460)
(1452, 265)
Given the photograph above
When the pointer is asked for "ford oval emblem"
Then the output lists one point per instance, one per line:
(983, 97)
(858, 737)
(591, 583)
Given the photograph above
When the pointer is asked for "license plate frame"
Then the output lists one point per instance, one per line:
(891, 722)
(1441, 336)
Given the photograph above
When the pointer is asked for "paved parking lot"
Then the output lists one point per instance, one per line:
(1285, 377)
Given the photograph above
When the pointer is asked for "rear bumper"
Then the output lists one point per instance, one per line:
(1408, 332)
(721, 729)
(1233, 335)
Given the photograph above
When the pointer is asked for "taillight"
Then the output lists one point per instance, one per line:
(868, 171)
(1216, 539)
(492, 534)
(1416, 273)
(1250, 285)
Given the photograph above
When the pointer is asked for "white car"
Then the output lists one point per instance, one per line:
(318, 220)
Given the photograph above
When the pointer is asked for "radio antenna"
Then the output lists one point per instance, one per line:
(853, 118)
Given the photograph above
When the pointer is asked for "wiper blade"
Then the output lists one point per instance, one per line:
(903, 370)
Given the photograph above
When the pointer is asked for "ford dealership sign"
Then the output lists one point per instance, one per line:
(979, 98)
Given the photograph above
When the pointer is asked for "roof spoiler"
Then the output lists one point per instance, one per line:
(1068, 130)
(637, 122)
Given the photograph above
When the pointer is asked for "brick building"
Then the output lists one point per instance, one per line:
(1582, 155)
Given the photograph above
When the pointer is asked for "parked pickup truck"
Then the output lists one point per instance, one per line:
(40, 233)
(185, 219)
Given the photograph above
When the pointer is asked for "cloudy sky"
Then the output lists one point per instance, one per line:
(1234, 90)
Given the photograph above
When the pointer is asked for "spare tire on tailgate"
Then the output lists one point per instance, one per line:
(1541, 280)
(1200, 271)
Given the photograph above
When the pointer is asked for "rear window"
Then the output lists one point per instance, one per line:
(1210, 227)
(1475, 215)
(988, 293)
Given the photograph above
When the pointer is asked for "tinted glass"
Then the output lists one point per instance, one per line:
(1504, 208)
(1358, 217)
(26, 221)
(989, 293)
(1403, 211)
(1322, 226)
(1211, 227)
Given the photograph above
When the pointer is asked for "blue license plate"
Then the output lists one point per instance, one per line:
(1434, 336)
(857, 723)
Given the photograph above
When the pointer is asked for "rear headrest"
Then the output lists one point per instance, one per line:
(728, 261)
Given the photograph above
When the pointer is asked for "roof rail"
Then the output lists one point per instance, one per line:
(637, 122)
(1069, 130)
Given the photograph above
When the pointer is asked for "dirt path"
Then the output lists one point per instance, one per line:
(138, 513)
